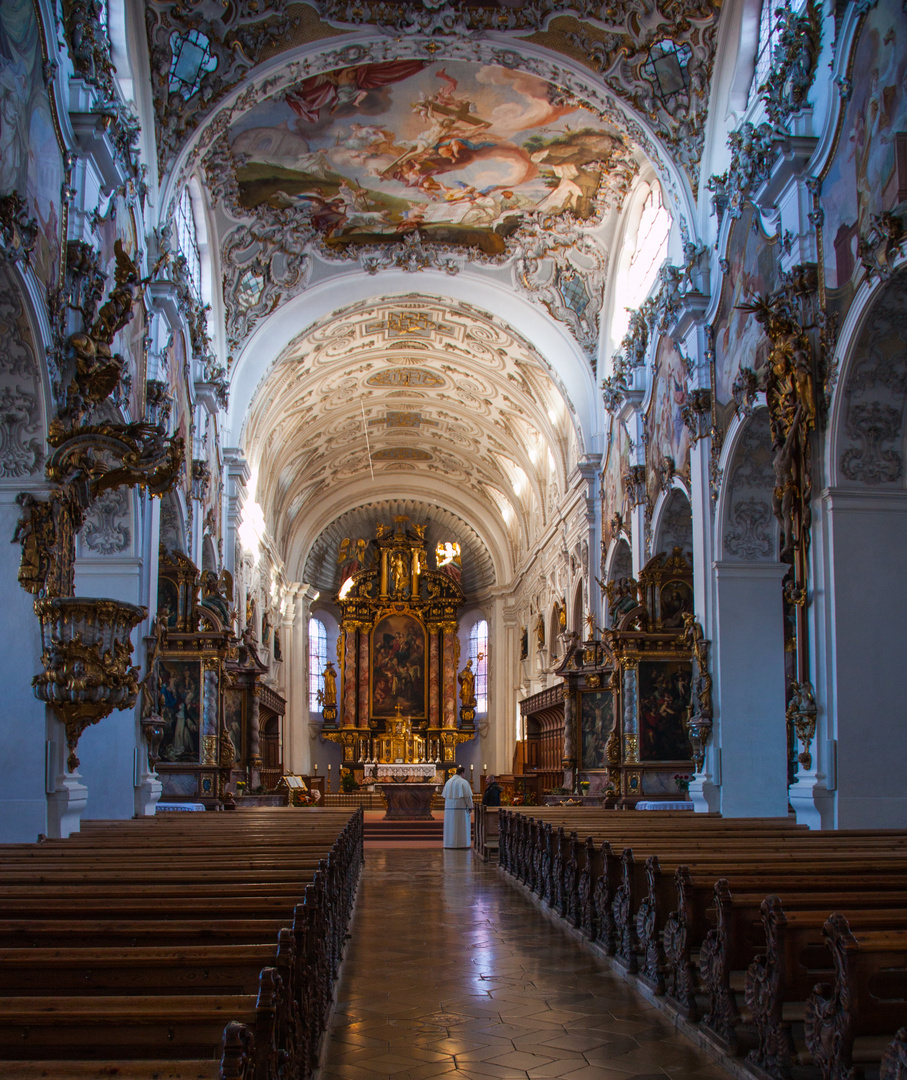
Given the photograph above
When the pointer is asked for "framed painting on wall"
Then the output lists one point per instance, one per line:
(180, 704)
(398, 666)
(233, 720)
(596, 717)
(664, 698)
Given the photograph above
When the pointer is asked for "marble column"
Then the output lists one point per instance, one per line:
(255, 738)
(434, 679)
(210, 703)
(363, 679)
(350, 656)
(569, 759)
(449, 679)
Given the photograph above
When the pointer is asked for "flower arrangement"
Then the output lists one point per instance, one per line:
(682, 781)
(240, 787)
(348, 782)
(584, 786)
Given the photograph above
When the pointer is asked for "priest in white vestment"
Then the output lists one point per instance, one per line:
(457, 808)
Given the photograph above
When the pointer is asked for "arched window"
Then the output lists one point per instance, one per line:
(645, 249)
(187, 242)
(769, 35)
(318, 658)
(478, 654)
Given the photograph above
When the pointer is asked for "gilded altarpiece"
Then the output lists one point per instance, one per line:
(629, 693)
(206, 686)
(398, 653)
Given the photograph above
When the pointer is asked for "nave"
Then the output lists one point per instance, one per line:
(450, 971)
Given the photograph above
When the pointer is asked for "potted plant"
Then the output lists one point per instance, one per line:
(348, 782)
(682, 781)
(584, 787)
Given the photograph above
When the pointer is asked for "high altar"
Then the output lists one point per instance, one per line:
(398, 653)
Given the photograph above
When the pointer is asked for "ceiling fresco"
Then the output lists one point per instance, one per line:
(463, 152)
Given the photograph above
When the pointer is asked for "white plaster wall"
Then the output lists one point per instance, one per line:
(868, 601)
(750, 690)
(23, 807)
(106, 750)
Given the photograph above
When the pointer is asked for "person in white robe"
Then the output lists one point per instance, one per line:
(457, 808)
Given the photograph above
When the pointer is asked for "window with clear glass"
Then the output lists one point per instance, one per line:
(187, 242)
(318, 658)
(478, 654)
(650, 248)
(769, 34)
(191, 59)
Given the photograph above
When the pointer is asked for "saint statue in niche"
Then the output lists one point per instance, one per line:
(398, 573)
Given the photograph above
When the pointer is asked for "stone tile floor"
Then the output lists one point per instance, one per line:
(451, 972)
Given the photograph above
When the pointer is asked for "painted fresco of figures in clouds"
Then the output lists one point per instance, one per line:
(30, 160)
(669, 436)
(459, 151)
(739, 340)
(615, 499)
(864, 178)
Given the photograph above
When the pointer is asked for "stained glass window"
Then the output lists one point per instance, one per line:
(318, 658)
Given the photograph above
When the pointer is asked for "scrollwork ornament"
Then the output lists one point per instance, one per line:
(801, 714)
(412, 255)
(698, 722)
(879, 248)
(754, 151)
(18, 230)
(794, 62)
(872, 463)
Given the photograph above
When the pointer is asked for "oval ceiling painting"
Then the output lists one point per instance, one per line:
(462, 152)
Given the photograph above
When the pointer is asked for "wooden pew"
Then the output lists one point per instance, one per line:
(848, 1022)
(276, 996)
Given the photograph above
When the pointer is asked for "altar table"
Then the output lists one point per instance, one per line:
(408, 802)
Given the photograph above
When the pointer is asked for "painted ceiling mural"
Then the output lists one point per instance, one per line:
(427, 141)
(460, 151)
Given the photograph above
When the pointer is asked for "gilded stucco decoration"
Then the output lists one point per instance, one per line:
(86, 647)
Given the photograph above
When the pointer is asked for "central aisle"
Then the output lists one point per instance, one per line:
(452, 972)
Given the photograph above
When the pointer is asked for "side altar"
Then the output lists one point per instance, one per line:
(398, 652)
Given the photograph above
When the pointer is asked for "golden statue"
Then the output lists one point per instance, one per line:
(398, 572)
(540, 630)
(328, 696)
(467, 681)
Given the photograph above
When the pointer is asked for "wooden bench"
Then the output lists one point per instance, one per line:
(247, 925)
(662, 897)
(848, 1022)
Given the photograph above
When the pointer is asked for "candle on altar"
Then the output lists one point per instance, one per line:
(484, 768)
(329, 777)
(315, 767)
(472, 776)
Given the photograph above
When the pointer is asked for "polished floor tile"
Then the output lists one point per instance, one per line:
(451, 972)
